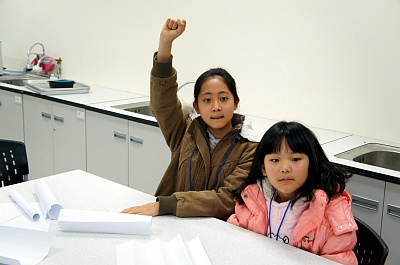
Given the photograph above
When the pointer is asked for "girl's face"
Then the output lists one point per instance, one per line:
(216, 105)
(286, 171)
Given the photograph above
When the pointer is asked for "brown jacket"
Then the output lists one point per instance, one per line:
(182, 135)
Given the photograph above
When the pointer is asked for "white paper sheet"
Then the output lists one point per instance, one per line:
(48, 201)
(104, 222)
(158, 252)
(13, 215)
(23, 246)
(28, 209)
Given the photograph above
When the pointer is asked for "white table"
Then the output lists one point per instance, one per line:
(224, 243)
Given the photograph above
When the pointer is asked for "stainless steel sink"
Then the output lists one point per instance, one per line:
(139, 107)
(374, 154)
(19, 80)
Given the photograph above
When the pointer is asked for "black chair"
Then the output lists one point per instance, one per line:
(13, 162)
(370, 247)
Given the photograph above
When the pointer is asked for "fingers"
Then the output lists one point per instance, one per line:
(150, 209)
(174, 24)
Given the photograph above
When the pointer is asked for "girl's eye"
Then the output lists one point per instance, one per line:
(274, 160)
(224, 98)
(296, 159)
(207, 100)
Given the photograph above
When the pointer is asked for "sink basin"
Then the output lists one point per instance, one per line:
(374, 154)
(19, 80)
(139, 107)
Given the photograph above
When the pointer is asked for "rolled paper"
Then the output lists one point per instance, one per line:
(48, 201)
(28, 209)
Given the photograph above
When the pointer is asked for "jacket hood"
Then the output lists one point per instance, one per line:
(247, 128)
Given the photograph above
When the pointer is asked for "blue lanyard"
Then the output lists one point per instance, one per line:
(220, 167)
(269, 217)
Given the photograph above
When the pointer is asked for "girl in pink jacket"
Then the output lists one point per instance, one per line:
(294, 194)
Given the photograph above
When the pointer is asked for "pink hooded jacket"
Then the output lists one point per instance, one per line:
(325, 229)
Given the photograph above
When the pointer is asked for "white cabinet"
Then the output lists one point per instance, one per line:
(368, 198)
(107, 146)
(377, 203)
(11, 116)
(126, 152)
(54, 137)
(391, 223)
(149, 157)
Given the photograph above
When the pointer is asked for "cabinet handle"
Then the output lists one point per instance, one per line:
(136, 140)
(0, 103)
(46, 115)
(58, 118)
(393, 210)
(120, 135)
(365, 202)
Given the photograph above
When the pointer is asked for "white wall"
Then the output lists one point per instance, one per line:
(330, 64)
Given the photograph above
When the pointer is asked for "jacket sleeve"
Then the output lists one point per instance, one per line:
(220, 203)
(164, 102)
(341, 233)
(251, 215)
(343, 245)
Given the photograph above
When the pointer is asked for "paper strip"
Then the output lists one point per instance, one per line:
(104, 222)
(48, 201)
(24, 205)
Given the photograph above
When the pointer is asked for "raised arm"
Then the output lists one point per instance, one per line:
(170, 31)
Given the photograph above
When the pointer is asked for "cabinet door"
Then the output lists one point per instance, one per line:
(391, 222)
(11, 116)
(368, 195)
(69, 135)
(149, 156)
(38, 136)
(107, 146)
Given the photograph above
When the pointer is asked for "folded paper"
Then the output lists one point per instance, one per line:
(23, 246)
(158, 252)
(104, 222)
(25, 206)
(48, 201)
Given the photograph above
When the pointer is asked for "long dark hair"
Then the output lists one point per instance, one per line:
(322, 174)
(213, 72)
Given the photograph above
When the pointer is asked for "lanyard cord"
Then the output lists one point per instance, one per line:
(220, 167)
(269, 217)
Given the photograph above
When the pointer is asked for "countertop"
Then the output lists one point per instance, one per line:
(224, 243)
(103, 99)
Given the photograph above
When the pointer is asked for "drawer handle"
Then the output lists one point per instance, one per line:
(365, 202)
(120, 135)
(136, 140)
(0, 103)
(46, 115)
(393, 210)
(58, 118)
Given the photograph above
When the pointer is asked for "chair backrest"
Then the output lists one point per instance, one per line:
(13, 162)
(370, 247)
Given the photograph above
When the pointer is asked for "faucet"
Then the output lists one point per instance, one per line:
(186, 83)
(29, 65)
(44, 61)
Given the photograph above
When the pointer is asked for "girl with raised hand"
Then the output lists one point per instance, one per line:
(211, 149)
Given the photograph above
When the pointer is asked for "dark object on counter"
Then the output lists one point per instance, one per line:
(370, 247)
(61, 83)
(14, 167)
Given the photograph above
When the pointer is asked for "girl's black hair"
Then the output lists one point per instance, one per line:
(322, 174)
(213, 72)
